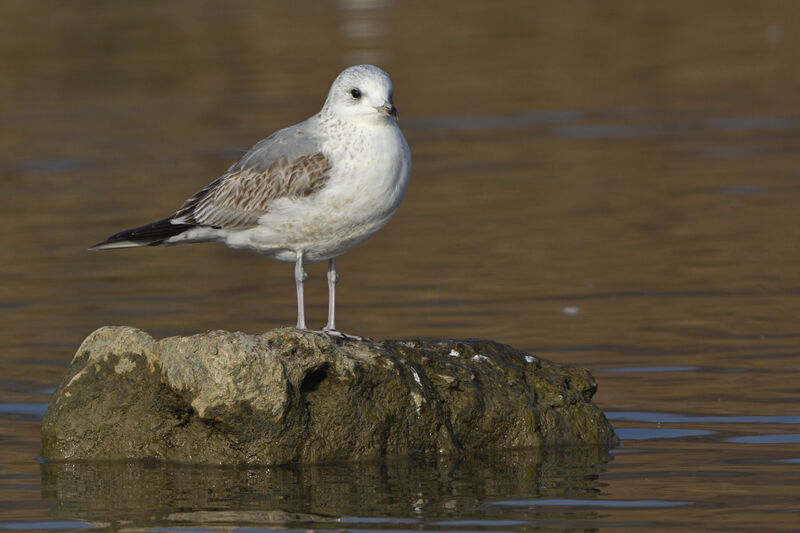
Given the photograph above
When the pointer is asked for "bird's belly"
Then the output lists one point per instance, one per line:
(323, 231)
(358, 202)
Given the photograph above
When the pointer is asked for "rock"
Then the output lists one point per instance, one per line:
(294, 396)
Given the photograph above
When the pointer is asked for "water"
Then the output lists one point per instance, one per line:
(612, 185)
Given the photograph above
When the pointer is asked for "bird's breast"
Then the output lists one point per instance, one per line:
(372, 167)
(368, 180)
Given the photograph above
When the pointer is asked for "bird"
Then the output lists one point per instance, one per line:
(306, 193)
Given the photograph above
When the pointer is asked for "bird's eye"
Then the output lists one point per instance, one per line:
(355, 93)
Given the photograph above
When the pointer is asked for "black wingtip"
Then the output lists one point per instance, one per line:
(148, 235)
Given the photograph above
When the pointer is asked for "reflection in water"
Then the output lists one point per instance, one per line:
(365, 28)
(395, 490)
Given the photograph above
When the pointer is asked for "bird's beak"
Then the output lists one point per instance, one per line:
(388, 109)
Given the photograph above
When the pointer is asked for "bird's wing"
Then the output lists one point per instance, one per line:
(288, 163)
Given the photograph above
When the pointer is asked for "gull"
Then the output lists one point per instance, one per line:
(306, 193)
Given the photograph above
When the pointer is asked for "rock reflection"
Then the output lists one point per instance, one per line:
(419, 489)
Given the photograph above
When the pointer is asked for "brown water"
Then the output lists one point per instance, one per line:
(608, 184)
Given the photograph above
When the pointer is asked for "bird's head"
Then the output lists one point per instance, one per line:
(363, 94)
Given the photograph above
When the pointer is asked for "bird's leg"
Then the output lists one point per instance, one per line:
(299, 279)
(333, 278)
(330, 329)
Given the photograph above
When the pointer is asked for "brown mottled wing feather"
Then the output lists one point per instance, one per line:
(240, 197)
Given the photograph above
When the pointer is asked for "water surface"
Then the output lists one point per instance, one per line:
(612, 185)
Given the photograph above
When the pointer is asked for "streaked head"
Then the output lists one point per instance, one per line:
(362, 93)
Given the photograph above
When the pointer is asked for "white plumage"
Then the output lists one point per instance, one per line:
(306, 193)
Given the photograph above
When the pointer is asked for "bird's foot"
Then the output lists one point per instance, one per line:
(339, 335)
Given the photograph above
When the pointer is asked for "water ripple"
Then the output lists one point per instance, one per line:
(672, 418)
(659, 433)
(54, 525)
(624, 504)
(791, 438)
(27, 411)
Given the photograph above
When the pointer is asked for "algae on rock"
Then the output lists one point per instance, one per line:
(296, 396)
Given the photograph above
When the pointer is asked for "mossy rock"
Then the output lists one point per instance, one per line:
(295, 396)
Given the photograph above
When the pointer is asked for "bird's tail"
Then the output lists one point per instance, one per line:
(147, 235)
